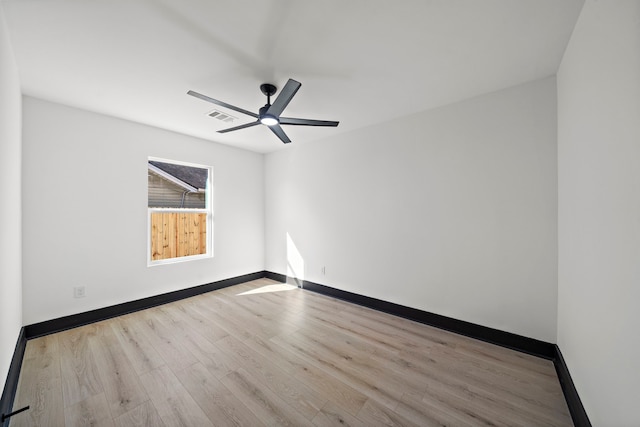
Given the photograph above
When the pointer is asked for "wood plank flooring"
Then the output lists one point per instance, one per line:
(267, 354)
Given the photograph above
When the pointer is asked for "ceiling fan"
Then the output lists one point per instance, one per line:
(269, 115)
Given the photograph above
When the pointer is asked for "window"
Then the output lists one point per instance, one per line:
(180, 214)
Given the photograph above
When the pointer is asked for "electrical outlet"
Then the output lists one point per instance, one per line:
(78, 292)
(324, 271)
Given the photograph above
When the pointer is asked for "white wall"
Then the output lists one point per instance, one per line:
(10, 202)
(599, 210)
(452, 210)
(85, 210)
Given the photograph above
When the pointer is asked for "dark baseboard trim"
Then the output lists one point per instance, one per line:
(283, 278)
(275, 276)
(578, 414)
(483, 333)
(11, 384)
(63, 323)
(494, 336)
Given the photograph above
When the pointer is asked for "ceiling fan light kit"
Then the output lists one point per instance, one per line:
(269, 120)
(269, 114)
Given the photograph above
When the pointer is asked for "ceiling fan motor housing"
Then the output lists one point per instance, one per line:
(265, 118)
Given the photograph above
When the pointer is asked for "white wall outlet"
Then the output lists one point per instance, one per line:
(324, 271)
(78, 292)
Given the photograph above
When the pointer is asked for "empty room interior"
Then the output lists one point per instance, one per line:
(320, 213)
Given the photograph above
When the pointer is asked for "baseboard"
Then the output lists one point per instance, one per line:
(11, 384)
(494, 336)
(483, 333)
(578, 414)
(67, 322)
(275, 276)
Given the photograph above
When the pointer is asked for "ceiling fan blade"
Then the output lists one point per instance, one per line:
(222, 104)
(281, 102)
(280, 133)
(246, 125)
(306, 122)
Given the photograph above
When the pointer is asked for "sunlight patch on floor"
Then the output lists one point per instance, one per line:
(280, 287)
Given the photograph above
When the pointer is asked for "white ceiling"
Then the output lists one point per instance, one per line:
(359, 61)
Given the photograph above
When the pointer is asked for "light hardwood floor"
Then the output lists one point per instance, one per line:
(264, 353)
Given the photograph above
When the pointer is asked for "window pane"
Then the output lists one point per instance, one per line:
(178, 234)
(176, 186)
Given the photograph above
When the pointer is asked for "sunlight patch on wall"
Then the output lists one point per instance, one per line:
(295, 262)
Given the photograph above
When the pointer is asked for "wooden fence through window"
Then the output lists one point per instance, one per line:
(178, 234)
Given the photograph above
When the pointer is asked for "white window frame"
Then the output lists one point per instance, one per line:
(208, 210)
